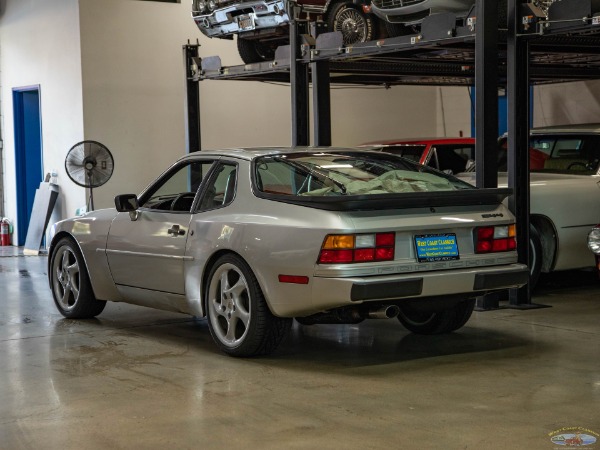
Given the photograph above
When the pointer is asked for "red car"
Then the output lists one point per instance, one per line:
(451, 155)
(447, 154)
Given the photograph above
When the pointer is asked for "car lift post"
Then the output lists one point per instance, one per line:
(192, 99)
(486, 107)
(299, 82)
(321, 98)
(518, 85)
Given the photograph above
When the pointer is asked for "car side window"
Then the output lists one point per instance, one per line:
(177, 189)
(221, 188)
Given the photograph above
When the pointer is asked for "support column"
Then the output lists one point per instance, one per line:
(486, 107)
(486, 93)
(299, 86)
(321, 94)
(192, 100)
(518, 139)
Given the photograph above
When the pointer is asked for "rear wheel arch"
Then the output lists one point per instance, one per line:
(208, 267)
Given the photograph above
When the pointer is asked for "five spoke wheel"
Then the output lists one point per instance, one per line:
(239, 318)
(71, 287)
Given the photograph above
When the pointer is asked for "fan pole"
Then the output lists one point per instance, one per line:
(91, 191)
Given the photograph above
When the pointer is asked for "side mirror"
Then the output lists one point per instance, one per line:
(126, 202)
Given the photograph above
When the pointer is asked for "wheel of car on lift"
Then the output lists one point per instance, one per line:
(239, 318)
(70, 282)
(398, 29)
(535, 257)
(436, 322)
(355, 25)
(253, 51)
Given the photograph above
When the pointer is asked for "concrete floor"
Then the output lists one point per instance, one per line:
(139, 378)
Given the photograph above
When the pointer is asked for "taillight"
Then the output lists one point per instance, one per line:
(357, 248)
(495, 239)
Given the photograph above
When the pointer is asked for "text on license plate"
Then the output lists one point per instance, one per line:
(246, 22)
(436, 247)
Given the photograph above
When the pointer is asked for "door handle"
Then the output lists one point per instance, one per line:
(176, 231)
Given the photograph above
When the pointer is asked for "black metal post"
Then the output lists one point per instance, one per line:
(192, 100)
(486, 107)
(518, 139)
(321, 94)
(486, 93)
(299, 86)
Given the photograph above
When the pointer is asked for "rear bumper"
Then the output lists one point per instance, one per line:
(242, 17)
(328, 293)
(393, 11)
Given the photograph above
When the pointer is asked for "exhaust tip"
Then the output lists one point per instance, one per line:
(384, 312)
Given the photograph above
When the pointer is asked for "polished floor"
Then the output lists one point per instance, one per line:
(136, 378)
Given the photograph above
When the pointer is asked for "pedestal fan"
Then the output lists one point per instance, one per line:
(89, 164)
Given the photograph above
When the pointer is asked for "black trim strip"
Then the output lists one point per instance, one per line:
(467, 197)
(500, 280)
(388, 290)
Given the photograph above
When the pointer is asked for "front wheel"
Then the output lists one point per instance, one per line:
(239, 319)
(355, 25)
(436, 322)
(71, 287)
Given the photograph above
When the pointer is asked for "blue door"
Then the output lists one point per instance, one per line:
(28, 153)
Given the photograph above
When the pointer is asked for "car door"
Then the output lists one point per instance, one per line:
(146, 249)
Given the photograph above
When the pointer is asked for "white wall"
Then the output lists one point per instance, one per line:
(40, 46)
(567, 103)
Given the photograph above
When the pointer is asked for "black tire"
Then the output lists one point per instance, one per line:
(436, 322)
(239, 318)
(70, 282)
(354, 24)
(535, 257)
(253, 51)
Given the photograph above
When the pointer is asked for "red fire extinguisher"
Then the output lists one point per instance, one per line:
(4, 232)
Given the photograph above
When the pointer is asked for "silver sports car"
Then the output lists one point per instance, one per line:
(251, 238)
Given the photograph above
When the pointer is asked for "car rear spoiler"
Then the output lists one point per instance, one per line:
(466, 197)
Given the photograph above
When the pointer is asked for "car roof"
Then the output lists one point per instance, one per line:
(425, 141)
(250, 153)
(593, 128)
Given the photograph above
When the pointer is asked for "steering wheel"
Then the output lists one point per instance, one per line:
(577, 163)
(180, 197)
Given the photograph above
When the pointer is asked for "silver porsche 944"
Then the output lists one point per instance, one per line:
(252, 238)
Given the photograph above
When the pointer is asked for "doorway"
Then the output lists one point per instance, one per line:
(28, 153)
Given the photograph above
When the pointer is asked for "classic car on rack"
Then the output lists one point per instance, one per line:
(262, 25)
(564, 183)
(250, 239)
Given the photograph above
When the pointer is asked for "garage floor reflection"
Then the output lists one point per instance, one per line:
(139, 378)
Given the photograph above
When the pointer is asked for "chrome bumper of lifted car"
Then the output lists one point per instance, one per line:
(243, 17)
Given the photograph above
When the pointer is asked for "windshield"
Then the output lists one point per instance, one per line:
(347, 173)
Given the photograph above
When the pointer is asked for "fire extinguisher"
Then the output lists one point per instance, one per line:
(5, 232)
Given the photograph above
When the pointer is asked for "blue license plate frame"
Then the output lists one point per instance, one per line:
(436, 247)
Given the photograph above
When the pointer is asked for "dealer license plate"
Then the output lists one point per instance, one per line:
(246, 22)
(436, 247)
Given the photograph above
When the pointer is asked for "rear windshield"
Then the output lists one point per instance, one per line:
(412, 152)
(351, 173)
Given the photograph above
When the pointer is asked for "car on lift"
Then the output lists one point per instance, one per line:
(564, 187)
(262, 25)
(250, 239)
(405, 16)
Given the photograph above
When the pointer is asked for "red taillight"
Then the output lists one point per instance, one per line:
(495, 239)
(357, 248)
